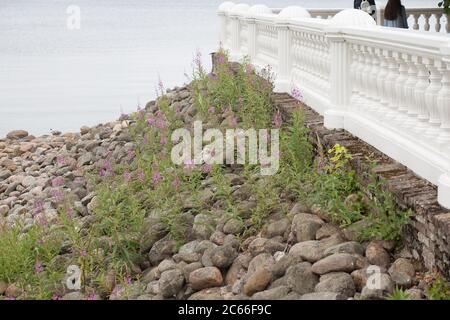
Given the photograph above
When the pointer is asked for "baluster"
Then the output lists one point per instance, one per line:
(447, 24)
(357, 84)
(381, 78)
(389, 84)
(364, 74)
(410, 85)
(419, 96)
(362, 77)
(438, 25)
(373, 79)
(353, 74)
(416, 21)
(431, 94)
(427, 21)
(400, 88)
(444, 109)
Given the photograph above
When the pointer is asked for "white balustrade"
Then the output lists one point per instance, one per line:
(389, 87)
(423, 19)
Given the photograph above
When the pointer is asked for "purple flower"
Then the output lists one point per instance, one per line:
(38, 267)
(58, 195)
(176, 141)
(39, 207)
(105, 168)
(156, 177)
(198, 59)
(141, 175)
(233, 122)
(221, 59)
(117, 291)
(176, 183)
(163, 141)
(211, 110)
(141, 112)
(57, 182)
(131, 154)
(92, 296)
(83, 253)
(56, 297)
(60, 160)
(296, 94)
(189, 164)
(161, 123)
(127, 176)
(151, 121)
(206, 168)
(277, 120)
(127, 279)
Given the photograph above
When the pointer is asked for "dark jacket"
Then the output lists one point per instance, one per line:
(357, 5)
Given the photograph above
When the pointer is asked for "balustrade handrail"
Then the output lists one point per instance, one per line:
(389, 87)
(414, 13)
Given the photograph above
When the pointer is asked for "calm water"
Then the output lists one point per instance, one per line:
(54, 78)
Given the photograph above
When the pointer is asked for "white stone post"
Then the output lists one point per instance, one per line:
(236, 14)
(340, 80)
(443, 101)
(250, 19)
(283, 81)
(223, 20)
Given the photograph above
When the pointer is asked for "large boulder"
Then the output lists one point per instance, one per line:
(171, 283)
(205, 278)
(337, 282)
(301, 279)
(335, 263)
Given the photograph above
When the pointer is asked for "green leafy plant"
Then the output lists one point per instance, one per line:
(399, 294)
(439, 289)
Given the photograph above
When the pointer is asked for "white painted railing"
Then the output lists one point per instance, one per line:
(389, 87)
(423, 19)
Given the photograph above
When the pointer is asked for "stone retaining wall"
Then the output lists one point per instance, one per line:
(428, 236)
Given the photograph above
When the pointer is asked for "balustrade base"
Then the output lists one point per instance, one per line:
(444, 191)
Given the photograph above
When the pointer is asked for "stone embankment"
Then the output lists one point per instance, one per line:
(300, 255)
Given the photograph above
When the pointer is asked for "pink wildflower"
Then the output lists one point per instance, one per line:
(38, 267)
(176, 183)
(206, 168)
(57, 182)
(127, 176)
(58, 195)
(211, 110)
(233, 122)
(131, 154)
(151, 120)
(277, 120)
(156, 177)
(189, 164)
(141, 175)
(92, 296)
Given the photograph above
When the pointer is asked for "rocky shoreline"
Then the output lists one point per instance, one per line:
(299, 256)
